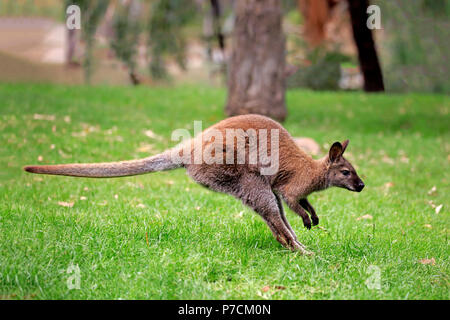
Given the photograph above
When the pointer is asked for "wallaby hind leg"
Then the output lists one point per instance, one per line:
(286, 222)
(283, 234)
(255, 192)
(283, 215)
(262, 199)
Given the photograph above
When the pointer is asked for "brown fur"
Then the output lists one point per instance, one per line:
(298, 175)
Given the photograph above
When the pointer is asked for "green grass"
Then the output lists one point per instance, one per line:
(164, 237)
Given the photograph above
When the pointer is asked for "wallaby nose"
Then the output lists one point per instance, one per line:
(360, 186)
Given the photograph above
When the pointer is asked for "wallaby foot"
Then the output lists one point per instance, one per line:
(307, 252)
(302, 249)
(296, 246)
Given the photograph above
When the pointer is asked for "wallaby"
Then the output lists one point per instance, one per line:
(297, 174)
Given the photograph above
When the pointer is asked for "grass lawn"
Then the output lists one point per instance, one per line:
(161, 236)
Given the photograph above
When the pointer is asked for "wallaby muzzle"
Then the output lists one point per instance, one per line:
(359, 186)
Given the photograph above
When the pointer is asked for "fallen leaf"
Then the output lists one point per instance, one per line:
(64, 155)
(111, 131)
(147, 148)
(431, 261)
(79, 134)
(388, 160)
(152, 135)
(404, 159)
(388, 185)
(432, 191)
(135, 185)
(47, 117)
(365, 217)
(280, 287)
(438, 208)
(65, 204)
(265, 289)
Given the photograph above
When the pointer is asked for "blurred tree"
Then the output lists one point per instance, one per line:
(71, 43)
(367, 54)
(126, 30)
(435, 7)
(417, 46)
(324, 72)
(71, 40)
(256, 75)
(317, 15)
(92, 12)
(165, 34)
(216, 11)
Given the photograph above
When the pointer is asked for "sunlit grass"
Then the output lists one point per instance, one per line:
(160, 236)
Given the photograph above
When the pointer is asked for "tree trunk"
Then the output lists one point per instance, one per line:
(134, 78)
(367, 54)
(71, 47)
(256, 78)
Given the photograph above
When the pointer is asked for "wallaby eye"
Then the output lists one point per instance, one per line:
(345, 172)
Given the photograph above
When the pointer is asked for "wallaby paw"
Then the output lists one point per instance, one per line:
(307, 223)
(298, 247)
(315, 221)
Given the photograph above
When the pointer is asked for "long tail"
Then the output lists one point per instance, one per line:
(159, 162)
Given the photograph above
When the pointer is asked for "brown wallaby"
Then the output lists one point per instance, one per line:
(296, 176)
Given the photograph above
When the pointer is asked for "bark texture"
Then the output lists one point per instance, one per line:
(256, 74)
(71, 46)
(367, 54)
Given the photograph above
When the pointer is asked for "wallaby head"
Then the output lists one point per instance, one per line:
(340, 172)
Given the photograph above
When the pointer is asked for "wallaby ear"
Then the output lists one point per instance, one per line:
(344, 145)
(335, 151)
